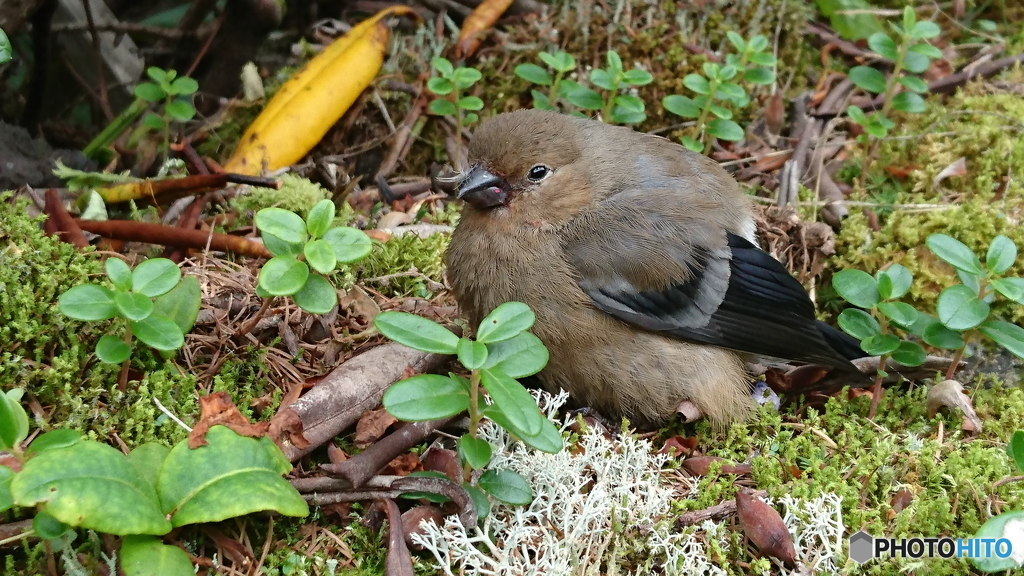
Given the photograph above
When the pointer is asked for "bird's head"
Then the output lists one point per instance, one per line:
(527, 153)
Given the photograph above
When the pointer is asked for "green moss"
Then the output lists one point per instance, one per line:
(400, 254)
(296, 194)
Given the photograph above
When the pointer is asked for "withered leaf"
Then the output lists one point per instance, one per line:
(763, 525)
(372, 425)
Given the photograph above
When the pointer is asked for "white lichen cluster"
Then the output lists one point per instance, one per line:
(600, 507)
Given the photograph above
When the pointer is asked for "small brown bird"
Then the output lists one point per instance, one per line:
(640, 261)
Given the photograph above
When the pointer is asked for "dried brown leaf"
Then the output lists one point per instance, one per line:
(372, 425)
(218, 408)
(412, 518)
(950, 394)
(445, 462)
(763, 525)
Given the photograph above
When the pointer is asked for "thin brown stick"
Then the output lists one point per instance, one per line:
(173, 236)
(63, 224)
(718, 512)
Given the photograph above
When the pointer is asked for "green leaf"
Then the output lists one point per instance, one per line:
(319, 218)
(283, 275)
(231, 476)
(480, 500)
(472, 354)
(900, 313)
(119, 273)
(534, 74)
(133, 306)
(470, 118)
(908, 102)
(927, 50)
(901, 279)
(1007, 335)
(470, 103)
(283, 224)
(184, 86)
(47, 527)
(279, 247)
(857, 115)
(867, 78)
(518, 357)
(692, 145)
(6, 52)
(737, 41)
(697, 83)
(858, 323)
(181, 304)
(549, 439)
(561, 61)
(112, 350)
(763, 59)
(725, 130)
(475, 451)
(507, 486)
(614, 61)
(762, 76)
(504, 322)
(91, 485)
(465, 77)
(1016, 449)
(954, 253)
(443, 66)
(350, 245)
(602, 79)
(1012, 288)
(541, 101)
(425, 397)
(148, 556)
(428, 496)
(1006, 525)
(443, 107)
(513, 400)
(180, 110)
(854, 26)
(13, 421)
(622, 115)
(884, 46)
(680, 106)
(317, 295)
(320, 256)
(149, 92)
(153, 121)
(914, 83)
(157, 74)
(630, 103)
(6, 475)
(155, 276)
(159, 332)
(59, 438)
(582, 97)
(723, 113)
(959, 308)
(924, 30)
(939, 336)
(148, 459)
(880, 344)
(916, 62)
(910, 354)
(637, 77)
(856, 287)
(440, 86)
(87, 302)
(416, 332)
(1002, 253)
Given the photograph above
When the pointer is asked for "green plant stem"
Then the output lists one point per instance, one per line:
(122, 379)
(890, 89)
(876, 388)
(121, 122)
(698, 130)
(167, 128)
(553, 93)
(474, 404)
(457, 161)
(606, 112)
(956, 361)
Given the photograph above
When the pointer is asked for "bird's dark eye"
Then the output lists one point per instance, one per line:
(538, 173)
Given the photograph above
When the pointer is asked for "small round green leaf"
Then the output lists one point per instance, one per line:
(119, 273)
(475, 451)
(581, 96)
(856, 287)
(939, 336)
(507, 486)
(440, 86)
(614, 60)
(317, 295)
(159, 332)
(59, 438)
(1002, 253)
(320, 255)
(883, 45)
(6, 52)
(180, 110)
(153, 121)
(279, 247)
(602, 79)
(442, 65)
(504, 322)
(181, 304)
(319, 218)
(466, 77)
(87, 302)
(470, 103)
(425, 397)
(549, 439)
(112, 350)
(1015, 448)
(133, 306)
(1012, 288)
(901, 279)
(518, 357)
(1006, 525)
(909, 354)
(149, 92)
(697, 83)
(1007, 335)
(443, 107)
(283, 275)
(959, 308)
(725, 130)
(184, 86)
(472, 354)
(533, 73)
(737, 41)
(637, 77)
(762, 76)
(924, 30)
(561, 61)
(880, 344)
(955, 253)
(916, 62)
(720, 111)
(513, 400)
(416, 332)
(90, 485)
(927, 50)
(908, 102)
(231, 476)
(867, 78)
(155, 276)
(148, 556)
(858, 323)
(480, 500)
(47, 527)
(692, 145)
(900, 313)
(13, 421)
(680, 106)
(857, 115)
(914, 84)
(283, 224)
(349, 244)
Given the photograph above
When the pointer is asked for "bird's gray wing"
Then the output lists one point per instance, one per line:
(647, 261)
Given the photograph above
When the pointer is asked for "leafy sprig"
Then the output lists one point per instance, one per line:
(173, 93)
(451, 84)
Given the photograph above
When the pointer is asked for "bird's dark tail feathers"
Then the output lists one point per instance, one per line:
(845, 345)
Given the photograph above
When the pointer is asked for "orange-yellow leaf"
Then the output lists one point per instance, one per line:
(483, 17)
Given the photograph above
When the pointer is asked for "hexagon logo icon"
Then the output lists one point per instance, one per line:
(861, 547)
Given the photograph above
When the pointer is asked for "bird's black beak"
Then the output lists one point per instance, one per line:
(481, 189)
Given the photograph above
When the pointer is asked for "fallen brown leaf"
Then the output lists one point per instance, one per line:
(701, 465)
(372, 425)
(412, 518)
(335, 454)
(444, 461)
(763, 525)
(950, 394)
(219, 408)
(678, 446)
(403, 465)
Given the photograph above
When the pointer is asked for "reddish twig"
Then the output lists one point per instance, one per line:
(173, 236)
(60, 223)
